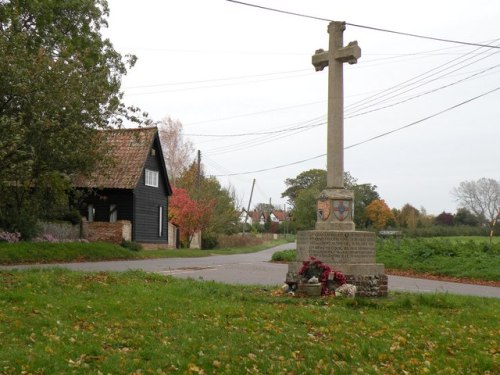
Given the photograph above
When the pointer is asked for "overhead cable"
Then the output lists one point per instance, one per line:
(373, 138)
(364, 26)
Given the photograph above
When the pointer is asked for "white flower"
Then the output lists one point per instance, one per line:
(313, 280)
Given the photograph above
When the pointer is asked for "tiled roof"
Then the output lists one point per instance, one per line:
(129, 150)
(280, 215)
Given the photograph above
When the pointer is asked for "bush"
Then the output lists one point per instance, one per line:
(237, 240)
(209, 241)
(21, 221)
(446, 231)
(47, 238)
(285, 256)
(59, 230)
(9, 237)
(73, 216)
(131, 245)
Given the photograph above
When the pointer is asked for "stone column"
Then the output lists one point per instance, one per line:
(334, 240)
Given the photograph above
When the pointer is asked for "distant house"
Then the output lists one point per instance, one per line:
(260, 217)
(133, 186)
(245, 217)
(279, 216)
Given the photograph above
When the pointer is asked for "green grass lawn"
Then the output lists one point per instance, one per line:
(62, 322)
(44, 252)
(469, 257)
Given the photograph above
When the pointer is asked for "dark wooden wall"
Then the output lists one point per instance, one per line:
(147, 199)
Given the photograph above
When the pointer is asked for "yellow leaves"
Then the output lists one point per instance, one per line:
(83, 361)
(430, 345)
(297, 356)
(32, 337)
(270, 326)
(399, 342)
(194, 369)
(83, 325)
(252, 356)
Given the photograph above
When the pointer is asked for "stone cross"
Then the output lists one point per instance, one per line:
(334, 58)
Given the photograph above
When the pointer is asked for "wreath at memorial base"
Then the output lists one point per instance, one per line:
(314, 268)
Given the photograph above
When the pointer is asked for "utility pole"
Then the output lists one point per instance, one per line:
(198, 175)
(285, 224)
(248, 209)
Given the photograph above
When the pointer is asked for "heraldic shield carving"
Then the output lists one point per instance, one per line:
(341, 209)
(323, 206)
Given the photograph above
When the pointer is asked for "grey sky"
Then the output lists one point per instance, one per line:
(226, 69)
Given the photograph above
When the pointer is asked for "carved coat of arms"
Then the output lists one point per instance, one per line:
(323, 207)
(341, 209)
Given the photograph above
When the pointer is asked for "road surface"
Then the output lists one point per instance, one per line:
(254, 269)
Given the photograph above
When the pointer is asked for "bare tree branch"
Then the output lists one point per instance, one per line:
(482, 197)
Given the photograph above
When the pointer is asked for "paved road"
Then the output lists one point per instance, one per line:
(255, 269)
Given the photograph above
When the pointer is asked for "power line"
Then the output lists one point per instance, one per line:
(296, 130)
(257, 113)
(357, 114)
(364, 26)
(377, 92)
(373, 138)
(349, 116)
(425, 118)
(413, 81)
(265, 139)
(216, 79)
(255, 133)
(220, 85)
(269, 169)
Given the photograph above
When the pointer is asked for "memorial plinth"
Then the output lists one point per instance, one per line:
(350, 252)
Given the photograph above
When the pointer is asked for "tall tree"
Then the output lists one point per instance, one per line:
(59, 81)
(481, 197)
(310, 179)
(464, 217)
(314, 181)
(364, 194)
(444, 218)
(189, 215)
(225, 217)
(379, 214)
(304, 212)
(177, 151)
(408, 216)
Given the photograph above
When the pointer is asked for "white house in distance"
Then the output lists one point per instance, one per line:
(260, 217)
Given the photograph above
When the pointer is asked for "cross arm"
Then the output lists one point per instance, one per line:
(320, 59)
(349, 54)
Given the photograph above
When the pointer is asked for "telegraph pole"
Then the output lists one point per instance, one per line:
(198, 175)
(248, 209)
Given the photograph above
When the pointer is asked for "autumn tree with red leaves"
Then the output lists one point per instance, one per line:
(189, 215)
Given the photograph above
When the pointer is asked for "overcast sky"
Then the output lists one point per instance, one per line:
(225, 70)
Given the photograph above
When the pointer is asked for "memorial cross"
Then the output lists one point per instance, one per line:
(334, 58)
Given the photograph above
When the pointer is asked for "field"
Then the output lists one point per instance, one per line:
(62, 322)
(461, 257)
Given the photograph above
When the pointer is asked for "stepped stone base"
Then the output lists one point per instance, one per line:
(350, 252)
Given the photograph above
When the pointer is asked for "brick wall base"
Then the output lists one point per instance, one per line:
(107, 232)
(375, 285)
(369, 285)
